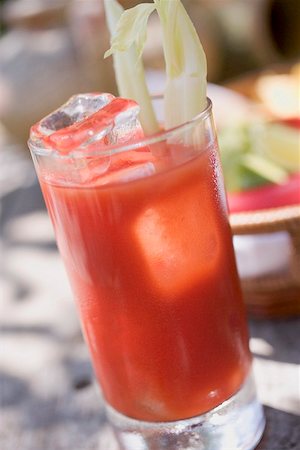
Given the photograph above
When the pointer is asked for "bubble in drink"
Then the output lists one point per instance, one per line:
(89, 121)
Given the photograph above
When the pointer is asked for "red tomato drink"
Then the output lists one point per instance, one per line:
(152, 268)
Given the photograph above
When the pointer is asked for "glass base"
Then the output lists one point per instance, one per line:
(236, 424)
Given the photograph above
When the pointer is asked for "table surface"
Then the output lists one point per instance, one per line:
(49, 399)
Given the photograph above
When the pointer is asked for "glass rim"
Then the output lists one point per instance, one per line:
(81, 152)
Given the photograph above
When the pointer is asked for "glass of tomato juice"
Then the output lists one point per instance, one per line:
(142, 226)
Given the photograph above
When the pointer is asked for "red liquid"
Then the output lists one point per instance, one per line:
(152, 269)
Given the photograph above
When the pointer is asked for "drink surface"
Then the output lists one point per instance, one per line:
(152, 269)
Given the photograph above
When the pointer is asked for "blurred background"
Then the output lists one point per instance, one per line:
(50, 50)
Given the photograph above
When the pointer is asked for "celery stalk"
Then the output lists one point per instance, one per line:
(264, 167)
(129, 71)
(185, 93)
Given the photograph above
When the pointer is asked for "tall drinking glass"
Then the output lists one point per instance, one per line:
(143, 231)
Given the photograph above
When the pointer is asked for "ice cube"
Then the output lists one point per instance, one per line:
(179, 245)
(90, 121)
(127, 127)
(129, 173)
(76, 109)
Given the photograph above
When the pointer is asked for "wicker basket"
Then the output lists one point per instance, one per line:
(278, 294)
